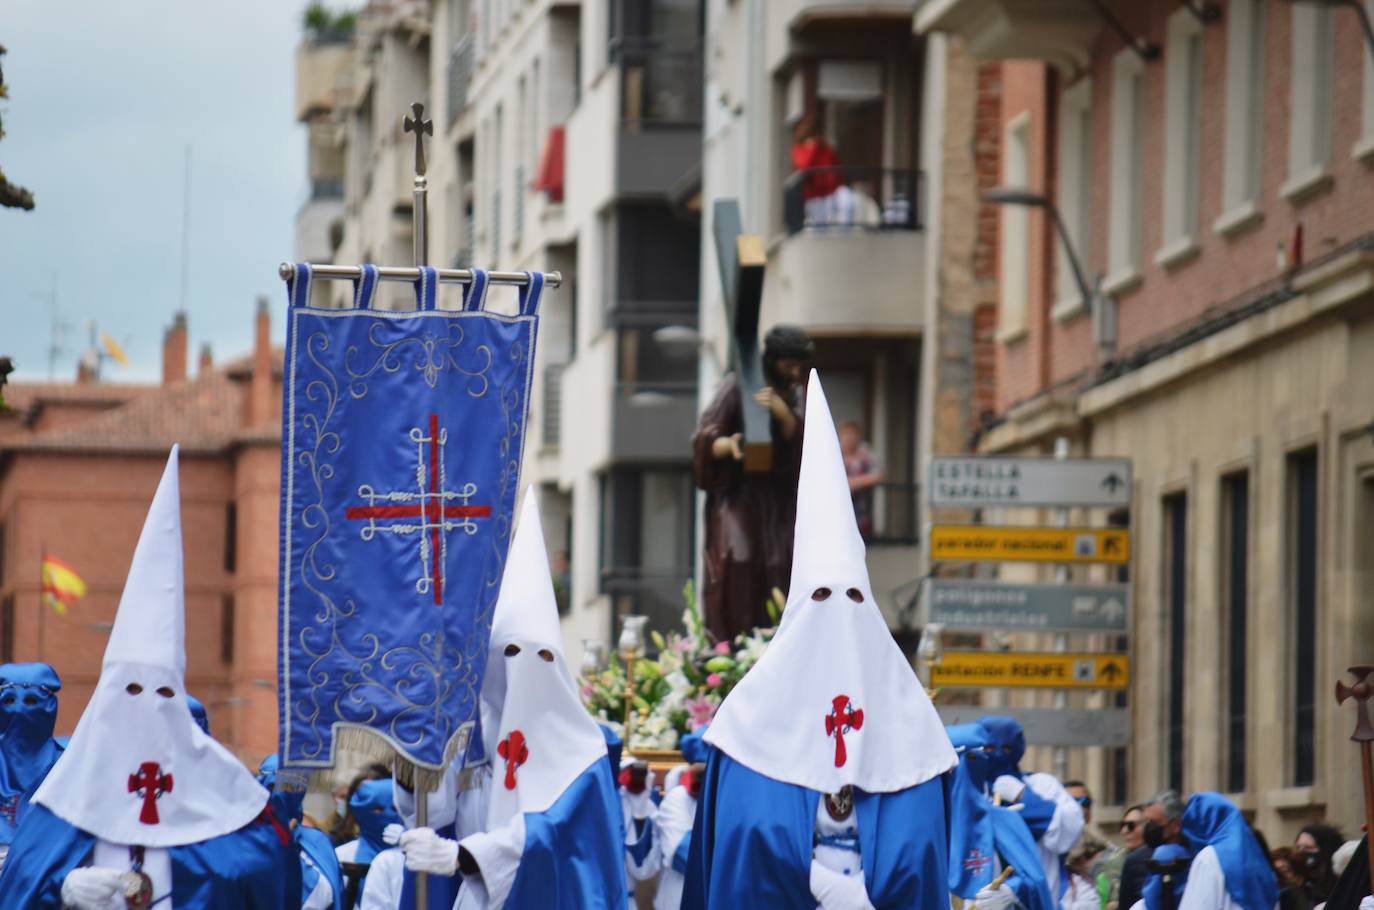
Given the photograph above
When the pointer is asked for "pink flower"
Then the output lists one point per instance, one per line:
(700, 711)
(682, 645)
(723, 647)
(713, 680)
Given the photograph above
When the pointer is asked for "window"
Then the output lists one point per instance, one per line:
(1075, 192)
(226, 628)
(1014, 280)
(1174, 596)
(7, 629)
(231, 536)
(1302, 592)
(495, 171)
(1240, 192)
(1123, 226)
(1234, 578)
(1364, 146)
(1183, 131)
(1309, 107)
(647, 531)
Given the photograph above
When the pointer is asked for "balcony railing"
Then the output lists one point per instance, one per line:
(889, 513)
(661, 86)
(852, 199)
(459, 74)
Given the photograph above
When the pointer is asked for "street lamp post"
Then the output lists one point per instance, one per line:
(1360, 11)
(1102, 307)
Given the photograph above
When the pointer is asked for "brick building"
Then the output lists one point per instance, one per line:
(1215, 172)
(78, 467)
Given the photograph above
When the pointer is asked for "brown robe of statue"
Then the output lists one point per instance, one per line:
(749, 518)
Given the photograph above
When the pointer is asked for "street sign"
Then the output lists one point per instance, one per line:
(1054, 726)
(982, 669)
(983, 543)
(997, 481)
(980, 605)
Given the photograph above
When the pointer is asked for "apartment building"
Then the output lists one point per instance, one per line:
(871, 247)
(567, 137)
(1211, 164)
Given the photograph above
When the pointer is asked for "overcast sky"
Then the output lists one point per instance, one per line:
(104, 98)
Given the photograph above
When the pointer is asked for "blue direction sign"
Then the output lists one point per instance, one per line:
(985, 605)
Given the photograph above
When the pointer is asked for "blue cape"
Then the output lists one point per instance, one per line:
(252, 868)
(28, 714)
(309, 842)
(614, 748)
(752, 842)
(198, 712)
(979, 830)
(1212, 820)
(372, 808)
(1153, 892)
(574, 856)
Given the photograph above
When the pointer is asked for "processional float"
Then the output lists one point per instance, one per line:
(402, 436)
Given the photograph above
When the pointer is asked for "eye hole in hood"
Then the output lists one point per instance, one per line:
(512, 650)
(820, 594)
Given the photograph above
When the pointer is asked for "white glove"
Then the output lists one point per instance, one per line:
(93, 888)
(1008, 788)
(641, 805)
(391, 834)
(428, 852)
(834, 891)
(1000, 898)
(1367, 902)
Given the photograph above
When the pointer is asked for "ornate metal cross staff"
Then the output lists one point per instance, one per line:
(421, 128)
(1364, 735)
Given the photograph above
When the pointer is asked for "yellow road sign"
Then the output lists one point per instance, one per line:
(980, 543)
(1032, 671)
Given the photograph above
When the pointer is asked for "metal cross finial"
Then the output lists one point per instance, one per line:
(1361, 692)
(420, 127)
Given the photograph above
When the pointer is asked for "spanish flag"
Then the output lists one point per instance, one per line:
(61, 584)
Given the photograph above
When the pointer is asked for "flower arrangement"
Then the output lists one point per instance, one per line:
(678, 691)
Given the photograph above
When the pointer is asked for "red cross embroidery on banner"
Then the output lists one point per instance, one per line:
(843, 717)
(516, 752)
(150, 783)
(439, 509)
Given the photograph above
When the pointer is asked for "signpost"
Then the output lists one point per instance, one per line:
(1109, 727)
(983, 606)
(972, 482)
(980, 669)
(982, 543)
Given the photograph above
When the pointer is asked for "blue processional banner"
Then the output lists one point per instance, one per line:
(402, 434)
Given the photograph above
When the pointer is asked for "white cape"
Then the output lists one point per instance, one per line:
(832, 701)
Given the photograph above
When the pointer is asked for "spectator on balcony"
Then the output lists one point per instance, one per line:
(817, 161)
(864, 475)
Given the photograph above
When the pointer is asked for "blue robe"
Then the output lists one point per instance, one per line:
(317, 845)
(252, 868)
(752, 842)
(980, 831)
(28, 750)
(1212, 820)
(574, 850)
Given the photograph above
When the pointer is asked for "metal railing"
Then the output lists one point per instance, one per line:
(459, 74)
(661, 86)
(889, 513)
(852, 198)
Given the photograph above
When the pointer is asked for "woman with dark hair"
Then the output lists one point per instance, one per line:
(1313, 849)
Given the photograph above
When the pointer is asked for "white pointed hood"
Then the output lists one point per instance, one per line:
(545, 738)
(832, 701)
(138, 770)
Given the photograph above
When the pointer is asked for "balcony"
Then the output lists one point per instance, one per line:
(848, 229)
(653, 421)
(659, 140)
(1060, 32)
